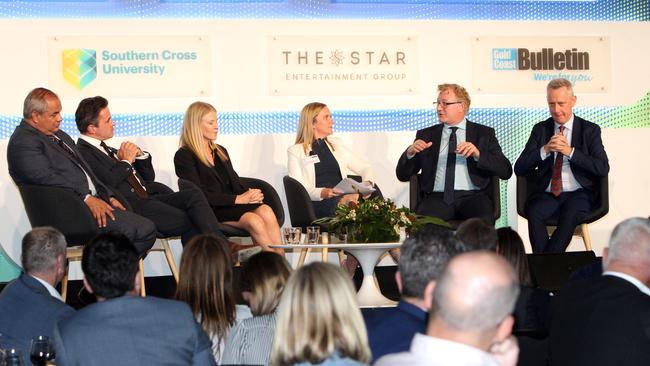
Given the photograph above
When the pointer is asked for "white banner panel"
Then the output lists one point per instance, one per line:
(343, 65)
(130, 66)
(527, 64)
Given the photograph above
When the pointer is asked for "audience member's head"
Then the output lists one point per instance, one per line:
(43, 254)
(88, 112)
(473, 300)
(205, 283)
(110, 266)
(423, 257)
(318, 315)
(511, 247)
(629, 249)
(262, 279)
(477, 234)
(42, 110)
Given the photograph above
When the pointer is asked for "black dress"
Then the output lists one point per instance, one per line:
(328, 175)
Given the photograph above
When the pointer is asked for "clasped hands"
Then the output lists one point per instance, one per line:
(252, 195)
(128, 151)
(558, 143)
(101, 210)
(466, 149)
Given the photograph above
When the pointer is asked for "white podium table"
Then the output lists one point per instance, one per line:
(368, 255)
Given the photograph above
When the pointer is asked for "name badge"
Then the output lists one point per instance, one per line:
(312, 159)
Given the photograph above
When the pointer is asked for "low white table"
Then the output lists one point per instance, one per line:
(368, 254)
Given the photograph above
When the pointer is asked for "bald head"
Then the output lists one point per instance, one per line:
(629, 249)
(476, 291)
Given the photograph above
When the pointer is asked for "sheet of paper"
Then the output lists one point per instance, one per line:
(349, 185)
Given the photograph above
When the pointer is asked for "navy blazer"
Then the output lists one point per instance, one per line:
(27, 310)
(34, 159)
(492, 161)
(588, 164)
(133, 330)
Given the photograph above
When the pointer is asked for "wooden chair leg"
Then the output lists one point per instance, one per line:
(64, 285)
(143, 291)
(341, 256)
(303, 256)
(324, 255)
(586, 238)
(170, 258)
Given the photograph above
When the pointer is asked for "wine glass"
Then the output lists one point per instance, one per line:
(42, 351)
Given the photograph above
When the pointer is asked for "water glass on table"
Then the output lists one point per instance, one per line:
(313, 234)
(291, 235)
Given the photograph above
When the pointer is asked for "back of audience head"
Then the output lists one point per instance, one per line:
(629, 249)
(43, 252)
(477, 234)
(262, 279)
(205, 283)
(318, 316)
(110, 266)
(511, 247)
(424, 255)
(476, 294)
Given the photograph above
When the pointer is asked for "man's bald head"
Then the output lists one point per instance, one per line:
(629, 249)
(476, 291)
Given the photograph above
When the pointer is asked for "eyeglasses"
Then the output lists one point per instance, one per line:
(444, 104)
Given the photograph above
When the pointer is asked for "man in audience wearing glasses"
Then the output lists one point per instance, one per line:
(457, 158)
(123, 328)
(30, 306)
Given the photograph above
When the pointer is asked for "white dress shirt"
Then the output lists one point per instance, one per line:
(569, 182)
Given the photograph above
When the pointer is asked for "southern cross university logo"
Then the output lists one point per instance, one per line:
(79, 67)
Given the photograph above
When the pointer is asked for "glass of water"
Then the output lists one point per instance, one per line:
(313, 234)
(291, 235)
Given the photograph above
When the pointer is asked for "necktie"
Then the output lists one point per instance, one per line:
(63, 146)
(556, 179)
(138, 189)
(450, 171)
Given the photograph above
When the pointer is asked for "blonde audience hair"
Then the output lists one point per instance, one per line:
(191, 135)
(305, 134)
(318, 315)
(205, 283)
(461, 93)
(264, 275)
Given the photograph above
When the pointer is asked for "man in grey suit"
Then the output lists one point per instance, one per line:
(30, 305)
(39, 153)
(122, 328)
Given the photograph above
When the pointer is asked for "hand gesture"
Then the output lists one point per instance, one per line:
(128, 151)
(326, 193)
(558, 143)
(468, 149)
(250, 196)
(99, 210)
(418, 146)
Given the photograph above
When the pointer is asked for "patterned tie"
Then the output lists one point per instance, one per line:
(556, 179)
(138, 189)
(55, 139)
(450, 171)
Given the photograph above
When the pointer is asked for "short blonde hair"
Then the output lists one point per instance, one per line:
(191, 136)
(461, 93)
(560, 83)
(264, 275)
(318, 315)
(305, 133)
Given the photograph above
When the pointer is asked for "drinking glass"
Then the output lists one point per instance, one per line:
(13, 358)
(291, 235)
(42, 351)
(313, 234)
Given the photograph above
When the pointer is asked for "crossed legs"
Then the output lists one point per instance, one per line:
(262, 225)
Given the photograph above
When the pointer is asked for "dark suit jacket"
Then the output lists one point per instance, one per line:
(34, 159)
(492, 161)
(216, 190)
(394, 332)
(133, 330)
(588, 164)
(27, 310)
(602, 321)
(115, 173)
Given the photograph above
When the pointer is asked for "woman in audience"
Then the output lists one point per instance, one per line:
(262, 280)
(319, 322)
(206, 164)
(205, 283)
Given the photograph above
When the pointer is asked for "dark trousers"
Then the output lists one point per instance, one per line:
(569, 209)
(466, 205)
(138, 229)
(185, 213)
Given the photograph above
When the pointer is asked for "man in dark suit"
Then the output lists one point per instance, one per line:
(129, 171)
(122, 328)
(457, 158)
(39, 153)
(567, 157)
(606, 320)
(423, 257)
(30, 305)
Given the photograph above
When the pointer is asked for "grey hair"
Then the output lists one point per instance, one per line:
(560, 83)
(630, 241)
(40, 248)
(36, 101)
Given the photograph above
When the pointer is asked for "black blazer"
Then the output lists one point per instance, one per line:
(34, 159)
(588, 164)
(492, 161)
(601, 321)
(216, 190)
(115, 173)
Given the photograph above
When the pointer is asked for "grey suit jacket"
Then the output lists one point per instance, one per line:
(26, 310)
(133, 330)
(34, 159)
